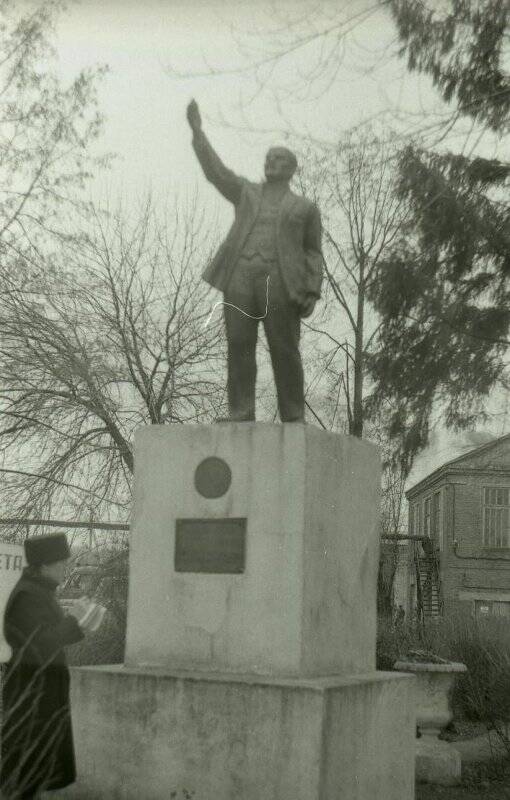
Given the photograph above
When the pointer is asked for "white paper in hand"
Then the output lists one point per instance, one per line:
(93, 617)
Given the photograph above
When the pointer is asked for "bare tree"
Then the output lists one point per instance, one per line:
(298, 54)
(47, 129)
(362, 215)
(114, 332)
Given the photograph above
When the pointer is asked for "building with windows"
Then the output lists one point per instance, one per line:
(461, 512)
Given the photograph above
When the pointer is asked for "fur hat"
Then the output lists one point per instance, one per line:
(46, 549)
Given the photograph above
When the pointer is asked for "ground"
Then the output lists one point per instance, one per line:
(462, 793)
(489, 790)
(487, 778)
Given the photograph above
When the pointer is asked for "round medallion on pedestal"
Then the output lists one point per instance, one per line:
(213, 477)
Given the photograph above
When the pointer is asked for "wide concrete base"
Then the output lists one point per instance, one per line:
(142, 735)
(437, 762)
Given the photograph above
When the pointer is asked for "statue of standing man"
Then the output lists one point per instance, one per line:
(269, 268)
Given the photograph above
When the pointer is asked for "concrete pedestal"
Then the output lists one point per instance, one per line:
(306, 601)
(250, 655)
(141, 735)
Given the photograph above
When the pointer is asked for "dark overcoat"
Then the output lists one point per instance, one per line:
(37, 740)
(298, 229)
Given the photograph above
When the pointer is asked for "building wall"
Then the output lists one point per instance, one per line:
(474, 573)
(401, 581)
(474, 578)
(436, 528)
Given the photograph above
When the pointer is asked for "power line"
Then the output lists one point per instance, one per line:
(56, 523)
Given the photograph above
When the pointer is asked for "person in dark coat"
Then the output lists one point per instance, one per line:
(37, 740)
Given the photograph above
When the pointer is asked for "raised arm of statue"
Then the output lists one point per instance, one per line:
(226, 181)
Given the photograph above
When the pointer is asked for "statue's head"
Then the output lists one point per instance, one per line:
(280, 164)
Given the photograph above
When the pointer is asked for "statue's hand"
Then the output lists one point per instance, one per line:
(307, 306)
(193, 115)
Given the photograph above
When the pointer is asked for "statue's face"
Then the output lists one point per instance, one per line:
(279, 164)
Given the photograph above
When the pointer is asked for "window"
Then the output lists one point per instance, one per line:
(416, 519)
(427, 516)
(496, 516)
(437, 521)
(411, 519)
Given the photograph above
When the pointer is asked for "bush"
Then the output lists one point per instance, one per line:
(106, 645)
(394, 641)
(483, 693)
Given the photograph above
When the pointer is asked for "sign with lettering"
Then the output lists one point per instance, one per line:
(210, 545)
(12, 561)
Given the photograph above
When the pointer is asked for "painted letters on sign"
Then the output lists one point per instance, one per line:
(12, 562)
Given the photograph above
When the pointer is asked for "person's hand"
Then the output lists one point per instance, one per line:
(307, 306)
(193, 115)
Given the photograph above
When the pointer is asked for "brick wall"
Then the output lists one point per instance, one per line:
(487, 572)
(478, 573)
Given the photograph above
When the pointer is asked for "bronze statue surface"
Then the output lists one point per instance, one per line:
(269, 269)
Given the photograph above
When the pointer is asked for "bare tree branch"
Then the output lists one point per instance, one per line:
(110, 335)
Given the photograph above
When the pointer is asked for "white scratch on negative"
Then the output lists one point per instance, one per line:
(246, 314)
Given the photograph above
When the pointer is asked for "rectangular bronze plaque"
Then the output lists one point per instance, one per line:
(210, 545)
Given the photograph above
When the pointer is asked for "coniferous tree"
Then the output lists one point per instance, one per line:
(444, 291)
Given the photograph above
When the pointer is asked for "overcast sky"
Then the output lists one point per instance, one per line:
(145, 103)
